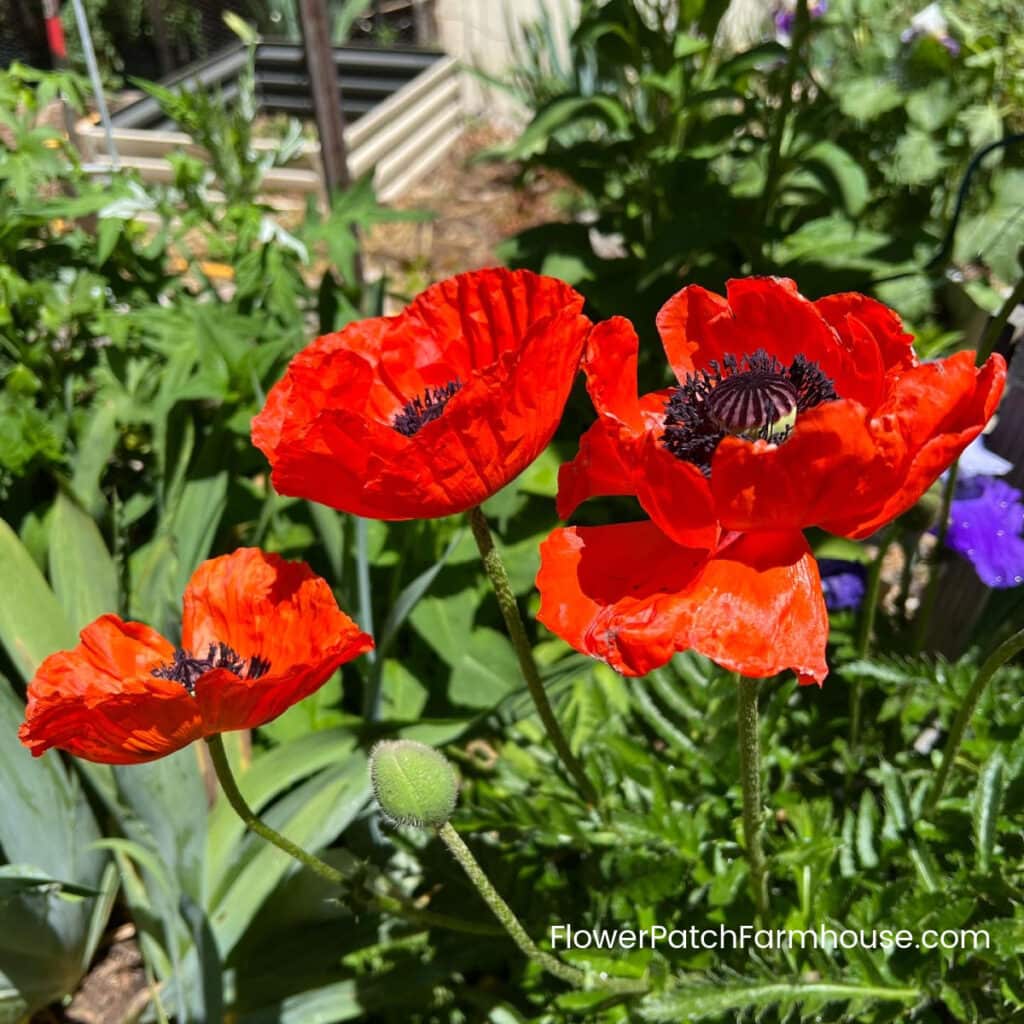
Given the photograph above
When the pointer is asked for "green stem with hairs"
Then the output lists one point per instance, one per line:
(505, 915)
(750, 782)
(498, 575)
(995, 661)
(356, 872)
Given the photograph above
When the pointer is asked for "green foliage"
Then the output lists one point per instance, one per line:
(835, 160)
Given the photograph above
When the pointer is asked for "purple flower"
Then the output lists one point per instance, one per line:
(986, 520)
(785, 17)
(843, 583)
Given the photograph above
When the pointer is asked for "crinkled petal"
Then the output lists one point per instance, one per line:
(855, 316)
(849, 471)
(281, 612)
(766, 313)
(510, 341)
(101, 702)
(629, 596)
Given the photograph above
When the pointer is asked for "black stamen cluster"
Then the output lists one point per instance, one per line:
(187, 669)
(425, 408)
(692, 432)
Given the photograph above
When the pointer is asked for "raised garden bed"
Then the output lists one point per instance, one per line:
(402, 108)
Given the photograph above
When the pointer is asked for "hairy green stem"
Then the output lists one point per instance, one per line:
(995, 661)
(395, 904)
(750, 781)
(869, 611)
(498, 575)
(255, 824)
(505, 915)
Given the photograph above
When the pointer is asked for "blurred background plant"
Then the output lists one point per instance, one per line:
(140, 328)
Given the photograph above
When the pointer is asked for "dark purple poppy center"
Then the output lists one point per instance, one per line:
(187, 669)
(756, 397)
(425, 408)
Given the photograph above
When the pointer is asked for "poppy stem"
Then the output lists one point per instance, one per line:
(994, 330)
(255, 824)
(504, 913)
(357, 870)
(995, 661)
(498, 575)
(750, 781)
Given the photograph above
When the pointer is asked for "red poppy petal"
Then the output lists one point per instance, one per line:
(488, 312)
(610, 364)
(934, 411)
(261, 605)
(675, 494)
(601, 467)
(696, 327)
(227, 703)
(118, 728)
(100, 700)
(511, 340)
(631, 597)
(849, 472)
(853, 315)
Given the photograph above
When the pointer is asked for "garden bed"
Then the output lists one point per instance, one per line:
(402, 107)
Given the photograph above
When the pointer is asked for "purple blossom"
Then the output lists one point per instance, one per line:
(985, 524)
(843, 583)
(785, 17)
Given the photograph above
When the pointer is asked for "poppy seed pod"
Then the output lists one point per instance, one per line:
(413, 783)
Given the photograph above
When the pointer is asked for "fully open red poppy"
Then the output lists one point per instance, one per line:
(787, 414)
(259, 634)
(432, 411)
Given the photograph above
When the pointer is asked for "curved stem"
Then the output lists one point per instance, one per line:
(498, 575)
(995, 661)
(255, 824)
(356, 871)
(750, 780)
(998, 322)
(504, 913)
(931, 593)
(869, 611)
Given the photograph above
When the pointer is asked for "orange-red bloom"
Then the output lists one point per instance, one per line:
(259, 634)
(788, 414)
(432, 411)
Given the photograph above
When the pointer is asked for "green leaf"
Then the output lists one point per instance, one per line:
(917, 159)
(32, 622)
(865, 99)
(561, 112)
(83, 573)
(45, 821)
(988, 799)
(487, 670)
(696, 1002)
(867, 824)
(844, 172)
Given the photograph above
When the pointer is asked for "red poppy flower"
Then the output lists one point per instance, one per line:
(787, 414)
(259, 634)
(432, 411)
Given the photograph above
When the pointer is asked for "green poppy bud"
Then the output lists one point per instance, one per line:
(414, 784)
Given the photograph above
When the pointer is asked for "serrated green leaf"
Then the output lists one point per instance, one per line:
(988, 799)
